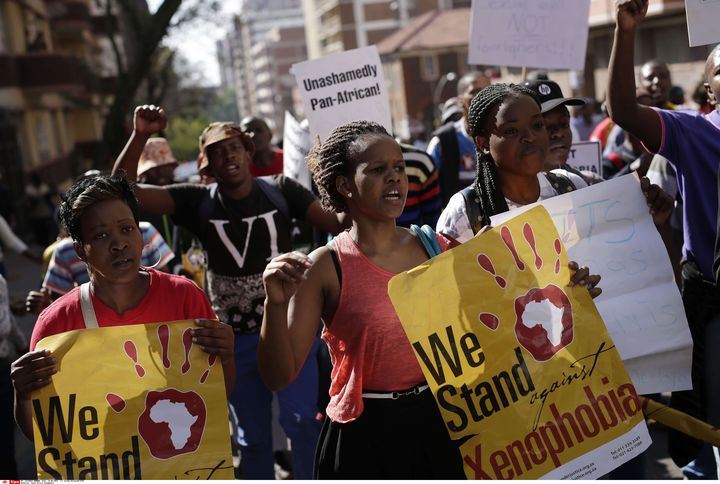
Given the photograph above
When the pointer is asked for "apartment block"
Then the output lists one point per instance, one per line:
(418, 57)
(422, 63)
(662, 35)
(253, 43)
(336, 25)
(54, 71)
(225, 55)
(272, 58)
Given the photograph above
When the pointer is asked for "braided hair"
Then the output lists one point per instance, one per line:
(329, 159)
(490, 196)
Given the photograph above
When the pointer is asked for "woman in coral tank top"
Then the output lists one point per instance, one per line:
(382, 421)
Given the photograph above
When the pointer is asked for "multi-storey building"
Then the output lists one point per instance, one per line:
(249, 46)
(225, 54)
(422, 63)
(418, 58)
(662, 35)
(272, 58)
(337, 25)
(53, 64)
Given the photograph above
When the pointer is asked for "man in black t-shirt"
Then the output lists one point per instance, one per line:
(241, 236)
(243, 223)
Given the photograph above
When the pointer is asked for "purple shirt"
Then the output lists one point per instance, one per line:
(691, 142)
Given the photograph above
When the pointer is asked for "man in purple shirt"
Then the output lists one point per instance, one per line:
(691, 143)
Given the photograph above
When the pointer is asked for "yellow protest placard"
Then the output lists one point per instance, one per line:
(518, 359)
(132, 402)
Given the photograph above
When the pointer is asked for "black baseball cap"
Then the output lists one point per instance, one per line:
(550, 95)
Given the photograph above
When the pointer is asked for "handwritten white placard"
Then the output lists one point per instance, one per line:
(550, 34)
(702, 18)
(607, 227)
(296, 145)
(585, 156)
(344, 87)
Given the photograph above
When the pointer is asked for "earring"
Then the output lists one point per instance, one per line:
(349, 194)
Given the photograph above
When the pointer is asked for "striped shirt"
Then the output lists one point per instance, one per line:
(423, 204)
(66, 270)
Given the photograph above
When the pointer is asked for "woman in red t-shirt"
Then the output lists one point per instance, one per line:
(100, 214)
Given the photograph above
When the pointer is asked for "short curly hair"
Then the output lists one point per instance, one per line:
(329, 159)
(90, 190)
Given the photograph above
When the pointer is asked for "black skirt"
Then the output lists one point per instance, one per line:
(392, 439)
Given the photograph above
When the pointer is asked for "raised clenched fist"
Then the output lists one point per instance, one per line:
(149, 119)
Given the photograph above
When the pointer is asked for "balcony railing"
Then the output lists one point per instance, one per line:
(9, 74)
(50, 69)
(103, 25)
(42, 70)
(69, 12)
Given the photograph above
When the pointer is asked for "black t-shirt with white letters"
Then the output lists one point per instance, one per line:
(239, 246)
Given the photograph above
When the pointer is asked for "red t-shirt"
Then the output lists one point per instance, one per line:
(275, 169)
(602, 131)
(169, 298)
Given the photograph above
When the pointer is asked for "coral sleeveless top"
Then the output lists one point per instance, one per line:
(368, 346)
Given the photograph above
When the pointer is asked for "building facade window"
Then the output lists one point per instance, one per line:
(429, 69)
(3, 35)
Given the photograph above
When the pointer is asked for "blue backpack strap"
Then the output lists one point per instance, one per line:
(276, 196)
(427, 237)
(432, 236)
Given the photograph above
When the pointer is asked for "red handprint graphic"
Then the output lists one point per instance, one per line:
(173, 421)
(543, 316)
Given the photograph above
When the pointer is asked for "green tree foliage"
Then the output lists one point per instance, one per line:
(192, 110)
(183, 133)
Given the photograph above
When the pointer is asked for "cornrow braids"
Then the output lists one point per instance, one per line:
(328, 160)
(487, 187)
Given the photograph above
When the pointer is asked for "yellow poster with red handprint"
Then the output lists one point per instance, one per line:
(519, 361)
(132, 402)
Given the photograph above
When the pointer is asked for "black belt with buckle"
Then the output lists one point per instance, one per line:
(416, 390)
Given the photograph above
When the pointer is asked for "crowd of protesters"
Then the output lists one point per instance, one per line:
(316, 331)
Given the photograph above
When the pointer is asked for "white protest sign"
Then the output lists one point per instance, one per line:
(607, 227)
(344, 87)
(529, 33)
(585, 156)
(702, 18)
(296, 145)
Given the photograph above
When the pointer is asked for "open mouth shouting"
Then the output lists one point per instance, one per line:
(231, 169)
(394, 196)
